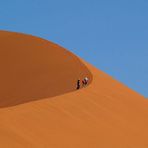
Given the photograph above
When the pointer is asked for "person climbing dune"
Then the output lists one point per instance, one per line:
(78, 84)
(85, 81)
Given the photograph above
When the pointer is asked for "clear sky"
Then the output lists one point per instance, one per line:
(110, 34)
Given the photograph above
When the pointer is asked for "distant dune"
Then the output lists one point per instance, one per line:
(41, 108)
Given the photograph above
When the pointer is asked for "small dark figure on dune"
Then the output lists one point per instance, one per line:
(85, 81)
(78, 84)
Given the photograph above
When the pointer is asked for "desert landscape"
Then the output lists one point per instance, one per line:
(41, 108)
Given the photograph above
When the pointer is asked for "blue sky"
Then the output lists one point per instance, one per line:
(110, 34)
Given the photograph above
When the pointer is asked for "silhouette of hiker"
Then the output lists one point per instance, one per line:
(78, 84)
(85, 81)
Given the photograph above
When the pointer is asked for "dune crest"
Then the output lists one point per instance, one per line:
(33, 69)
(107, 114)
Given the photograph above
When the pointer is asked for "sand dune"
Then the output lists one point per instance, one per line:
(33, 68)
(42, 114)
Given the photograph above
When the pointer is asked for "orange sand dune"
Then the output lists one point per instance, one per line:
(105, 114)
(33, 68)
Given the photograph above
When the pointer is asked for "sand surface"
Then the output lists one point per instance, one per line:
(38, 112)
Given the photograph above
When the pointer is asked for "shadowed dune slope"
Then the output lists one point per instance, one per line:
(33, 68)
(106, 114)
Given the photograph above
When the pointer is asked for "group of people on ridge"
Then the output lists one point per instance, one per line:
(84, 82)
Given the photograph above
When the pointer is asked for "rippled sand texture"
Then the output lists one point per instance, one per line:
(40, 107)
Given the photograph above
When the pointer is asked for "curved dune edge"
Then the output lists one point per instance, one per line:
(33, 68)
(105, 114)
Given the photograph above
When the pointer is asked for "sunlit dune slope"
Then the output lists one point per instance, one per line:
(106, 114)
(33, 68)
